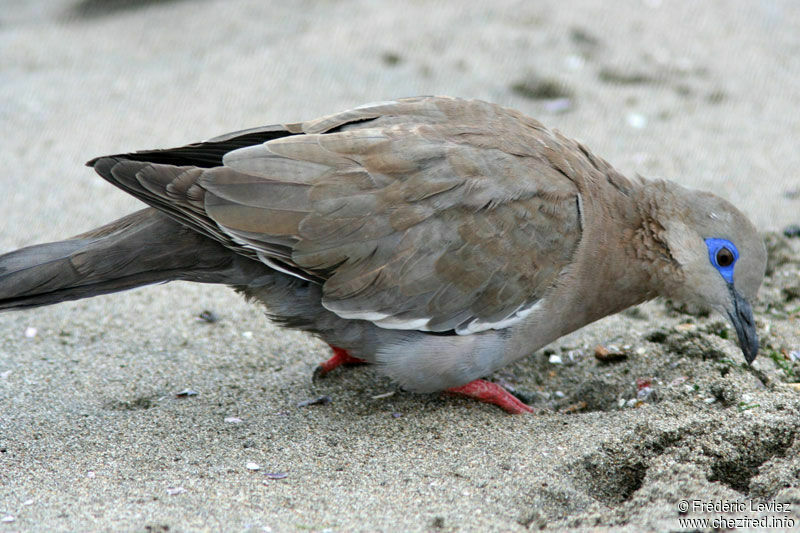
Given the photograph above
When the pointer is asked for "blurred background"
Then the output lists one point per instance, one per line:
(703, 93)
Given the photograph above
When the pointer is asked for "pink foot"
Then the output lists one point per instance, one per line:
(486, 391)
(340, 357)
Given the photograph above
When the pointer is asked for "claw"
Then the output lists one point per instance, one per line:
(486, 391)
(340, 357)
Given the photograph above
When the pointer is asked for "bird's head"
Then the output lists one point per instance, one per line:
(721, 259)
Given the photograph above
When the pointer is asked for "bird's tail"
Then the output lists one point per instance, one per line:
(142, 248)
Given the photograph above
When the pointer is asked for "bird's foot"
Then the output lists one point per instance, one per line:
(340, 357)
(486, 391)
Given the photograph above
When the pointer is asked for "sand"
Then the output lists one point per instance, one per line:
(94, 435)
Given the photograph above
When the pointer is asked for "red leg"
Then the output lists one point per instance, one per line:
(486, 391)
(340, 357)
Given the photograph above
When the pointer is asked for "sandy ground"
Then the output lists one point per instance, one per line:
(93, 435)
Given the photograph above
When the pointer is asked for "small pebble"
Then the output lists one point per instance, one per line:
(30, 332)
(276, 475)
(91, 475)
(27, 502)
(398, 415)
(794, 355)
(322, 400)
(247, 334)
(558, 105)
(384, 395)
(7, 518)
(5, 374)
(208, 316)
(609, 355)
(253, 466)
(173, 491)
(186, 392)
(686, 327)
(555, 359)
(574, 62)
(792, 231)
(644, 388)
(575, 407)
(636, 120)
(233, 420)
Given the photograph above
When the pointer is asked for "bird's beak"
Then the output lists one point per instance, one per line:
(742, 319)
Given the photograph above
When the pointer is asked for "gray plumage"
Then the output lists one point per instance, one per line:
(437, 238)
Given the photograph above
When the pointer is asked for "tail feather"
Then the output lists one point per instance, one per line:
(143, 248)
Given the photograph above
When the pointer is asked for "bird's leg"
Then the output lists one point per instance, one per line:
(486, 391)
(340, 357)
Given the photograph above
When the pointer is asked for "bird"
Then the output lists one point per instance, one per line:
(435, 238)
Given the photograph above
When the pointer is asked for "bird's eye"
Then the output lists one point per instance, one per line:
(724, 257)
(722, 254)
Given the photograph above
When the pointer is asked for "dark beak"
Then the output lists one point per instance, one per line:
(742, 320)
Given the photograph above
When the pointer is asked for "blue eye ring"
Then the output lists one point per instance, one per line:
(723, 255)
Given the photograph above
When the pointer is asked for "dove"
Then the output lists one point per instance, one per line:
(437, 239)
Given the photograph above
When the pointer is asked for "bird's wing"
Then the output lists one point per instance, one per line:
(431, 214)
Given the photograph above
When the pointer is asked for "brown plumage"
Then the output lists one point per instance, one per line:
(437, 238)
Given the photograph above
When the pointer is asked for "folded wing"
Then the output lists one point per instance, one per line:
(431, 214)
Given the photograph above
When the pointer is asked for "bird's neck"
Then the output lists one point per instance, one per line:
(619, 263)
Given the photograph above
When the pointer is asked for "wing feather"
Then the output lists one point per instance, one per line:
(430, 213)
